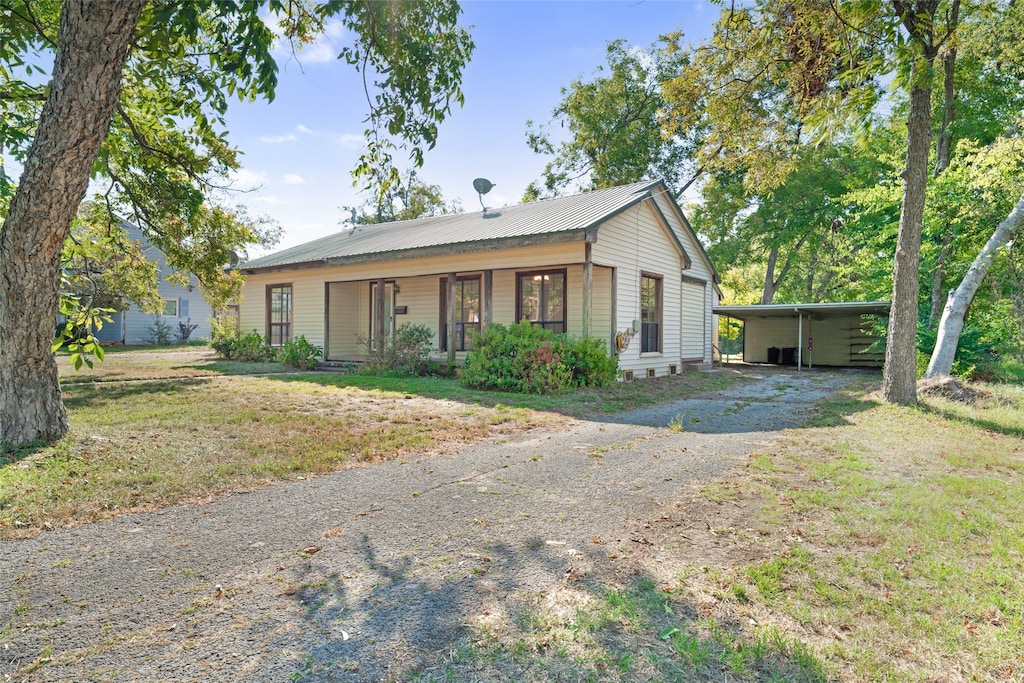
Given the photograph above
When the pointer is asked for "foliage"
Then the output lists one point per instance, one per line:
(614, 124)
(526, 358)
(160, 332)
(184, 331)
(251, 347)
(405, 352)
(163, 155)
(76, 334)
(406, 199)
(299, 353)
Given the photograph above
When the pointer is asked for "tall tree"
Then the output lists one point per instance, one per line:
(405, 200)
(164, 71)
(614, 125)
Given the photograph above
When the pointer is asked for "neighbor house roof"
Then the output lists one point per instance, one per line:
(544, 222)
(826, 310)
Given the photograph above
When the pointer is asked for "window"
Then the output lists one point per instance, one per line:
(540, 298)
(467, 310)
(650, 314)
(279, 314)
(171, 307)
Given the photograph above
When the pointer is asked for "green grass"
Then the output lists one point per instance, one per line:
(151, 430)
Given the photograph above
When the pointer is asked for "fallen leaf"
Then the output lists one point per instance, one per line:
(313, 549)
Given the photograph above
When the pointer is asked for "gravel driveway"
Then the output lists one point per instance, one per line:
(371, 573)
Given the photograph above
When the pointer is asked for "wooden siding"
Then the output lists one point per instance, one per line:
(837, 341)
(693, 322)
(635, 242)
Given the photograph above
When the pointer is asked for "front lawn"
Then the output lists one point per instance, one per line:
(154, 429)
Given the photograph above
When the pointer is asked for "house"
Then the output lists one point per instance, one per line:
(620, 264)
(182, 304)
(834, 334)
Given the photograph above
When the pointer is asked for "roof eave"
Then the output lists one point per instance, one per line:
(452, 249)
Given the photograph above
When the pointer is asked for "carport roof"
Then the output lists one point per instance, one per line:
(816, 311)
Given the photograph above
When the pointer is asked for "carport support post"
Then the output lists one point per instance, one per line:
(800, 342)
(450, 315)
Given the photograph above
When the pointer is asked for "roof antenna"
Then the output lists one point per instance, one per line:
(482, 187)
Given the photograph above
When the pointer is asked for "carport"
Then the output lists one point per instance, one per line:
(834, 334)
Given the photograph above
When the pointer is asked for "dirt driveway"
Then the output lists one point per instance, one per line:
(373, 573)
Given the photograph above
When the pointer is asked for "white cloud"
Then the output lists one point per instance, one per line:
(244, 179)
(326, 48)
(294, 179)
(277, 139)
(349, 140)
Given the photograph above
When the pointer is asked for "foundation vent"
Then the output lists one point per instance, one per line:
(650, 373)
(673, 369)
(627, 375)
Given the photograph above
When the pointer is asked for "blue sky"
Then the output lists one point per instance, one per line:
(299, 150)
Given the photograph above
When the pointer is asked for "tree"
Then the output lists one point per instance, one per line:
(615, 127)
(163, 74)
(409, 198)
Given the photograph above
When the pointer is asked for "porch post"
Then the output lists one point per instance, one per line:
(379, 306)
(615, 311)
(588, 286)
(451, 317)
(485, 298)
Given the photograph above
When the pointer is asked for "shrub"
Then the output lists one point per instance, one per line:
(252, 347)
(160, 332)
(185, 330)
(299, 353)
(406, 352)
(529, 359)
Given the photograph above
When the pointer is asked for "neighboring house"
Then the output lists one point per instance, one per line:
(621, 264)
(181, 304)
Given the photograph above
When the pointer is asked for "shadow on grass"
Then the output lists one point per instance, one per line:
(1013, 426)
(521, 612)
(99, 394)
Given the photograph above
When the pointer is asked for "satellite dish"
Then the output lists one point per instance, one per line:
(233, 257)
(482, 187)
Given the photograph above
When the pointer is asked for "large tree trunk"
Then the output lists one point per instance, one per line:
(92, 47)
(899, 379)
(952, 322)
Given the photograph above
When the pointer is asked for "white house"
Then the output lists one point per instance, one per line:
(621, 264)
(182, 304)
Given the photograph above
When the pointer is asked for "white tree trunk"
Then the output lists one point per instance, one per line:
(951, 325)
(93, 41)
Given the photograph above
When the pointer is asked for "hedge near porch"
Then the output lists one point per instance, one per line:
(525, 358)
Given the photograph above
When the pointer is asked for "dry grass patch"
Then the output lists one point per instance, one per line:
(143, 445)
(893, 541)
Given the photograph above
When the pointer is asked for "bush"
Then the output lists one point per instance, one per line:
(160, 333)
(406, 352)
(251, 347)
(185, 330)
(299, 353)
(526, 358)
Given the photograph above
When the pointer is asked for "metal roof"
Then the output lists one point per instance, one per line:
(546, 220)
(819, 311)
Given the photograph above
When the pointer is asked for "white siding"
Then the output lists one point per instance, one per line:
(637, 242)
(693, 322)
(601, 307)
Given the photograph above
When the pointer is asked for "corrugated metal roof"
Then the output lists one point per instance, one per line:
(825, 310)
(551, 216)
